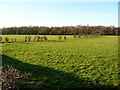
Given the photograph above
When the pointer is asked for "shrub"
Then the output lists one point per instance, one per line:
(75, 36)
(6, 39)
(38, 38)
(65, 37)
(29, 38)
(14, 39)
(35, 38)
(59, 37)
(45, 38)
(0, 38)
(25, 39)
(11, 78)
(78, 36)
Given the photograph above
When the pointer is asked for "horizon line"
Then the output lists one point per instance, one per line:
(59, 26)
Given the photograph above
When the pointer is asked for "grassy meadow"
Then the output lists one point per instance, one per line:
(84, 62)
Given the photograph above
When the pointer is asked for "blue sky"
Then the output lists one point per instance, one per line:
(58, 13)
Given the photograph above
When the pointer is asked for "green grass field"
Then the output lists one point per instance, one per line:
(72, 63)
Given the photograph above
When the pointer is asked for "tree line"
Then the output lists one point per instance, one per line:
(64, 30)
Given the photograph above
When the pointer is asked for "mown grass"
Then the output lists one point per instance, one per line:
(72, 63)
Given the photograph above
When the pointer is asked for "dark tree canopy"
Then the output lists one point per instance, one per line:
(64, 30)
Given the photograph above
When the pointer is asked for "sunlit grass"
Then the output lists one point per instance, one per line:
(93, 58)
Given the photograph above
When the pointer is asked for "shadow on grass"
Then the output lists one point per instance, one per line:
(55, 41)
(45, 77)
